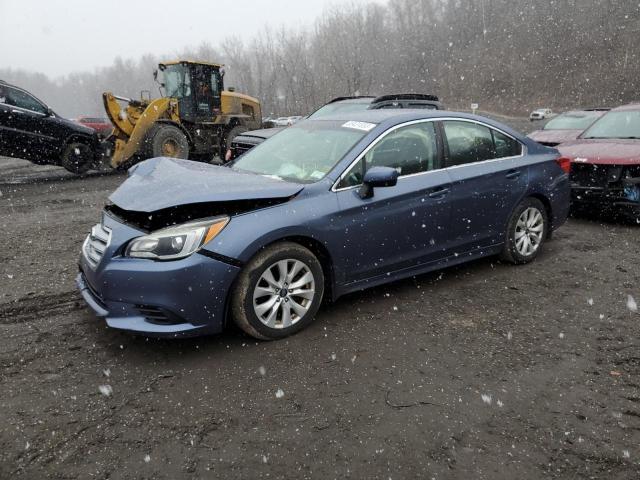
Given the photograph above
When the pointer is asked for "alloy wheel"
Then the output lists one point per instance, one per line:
(529, 231)
(284, 293)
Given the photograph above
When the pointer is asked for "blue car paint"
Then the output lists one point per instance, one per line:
(407, 229)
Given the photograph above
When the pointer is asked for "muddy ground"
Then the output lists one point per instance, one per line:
(485, 371)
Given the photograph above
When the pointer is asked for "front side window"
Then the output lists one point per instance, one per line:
(470, 142)
(21, 99)
(303, 153)
(410, 150)
(177, 82)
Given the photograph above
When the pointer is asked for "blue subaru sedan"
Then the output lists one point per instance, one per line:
(324, 208)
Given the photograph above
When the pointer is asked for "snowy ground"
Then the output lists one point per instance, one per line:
(485, 371)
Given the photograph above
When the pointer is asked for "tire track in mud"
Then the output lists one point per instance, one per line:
(32, 308)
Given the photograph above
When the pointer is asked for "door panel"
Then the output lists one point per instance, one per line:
(398, 227)
(488, 180)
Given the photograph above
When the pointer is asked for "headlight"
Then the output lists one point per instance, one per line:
(176, 242)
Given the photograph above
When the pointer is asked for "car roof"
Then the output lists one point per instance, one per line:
(632, 107)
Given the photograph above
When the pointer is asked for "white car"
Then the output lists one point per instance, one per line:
(540, 114)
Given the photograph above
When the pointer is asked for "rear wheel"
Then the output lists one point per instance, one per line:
(166, 141)
(278, 292)
(77, 158)
(527, 230)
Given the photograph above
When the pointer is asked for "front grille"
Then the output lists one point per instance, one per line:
(157, 315)
(590, 175)
(96, 244)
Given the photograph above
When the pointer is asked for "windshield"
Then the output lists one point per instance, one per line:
(339, 108)
(177, 82)
(622, 124)
(303, 153)
(572, 121)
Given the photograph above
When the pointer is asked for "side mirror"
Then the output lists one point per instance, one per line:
(49, 113)
(378, 177)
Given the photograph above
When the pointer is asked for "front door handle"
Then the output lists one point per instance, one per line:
(512, 174)
(17, 111)
(439, 193)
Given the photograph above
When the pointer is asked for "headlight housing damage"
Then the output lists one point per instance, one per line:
(176, 242)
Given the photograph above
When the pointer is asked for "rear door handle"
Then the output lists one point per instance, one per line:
(511, 174)
(439, 193)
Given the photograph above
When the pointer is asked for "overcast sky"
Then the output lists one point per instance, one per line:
(56, 37)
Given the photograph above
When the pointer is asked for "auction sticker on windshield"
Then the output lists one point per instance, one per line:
(364, 126)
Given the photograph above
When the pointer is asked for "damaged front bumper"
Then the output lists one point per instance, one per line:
(606, 187)
(184, 297)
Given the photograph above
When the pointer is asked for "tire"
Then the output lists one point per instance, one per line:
(77, 158)
(264, 317)
(228, 138)
(166, 141)
(529, 221)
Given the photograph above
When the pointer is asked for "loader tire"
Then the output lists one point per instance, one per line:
(166, 141)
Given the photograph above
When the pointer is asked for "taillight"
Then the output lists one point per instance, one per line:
(565, 164)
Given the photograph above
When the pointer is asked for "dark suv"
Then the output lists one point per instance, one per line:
(29, 129)
(246, 141)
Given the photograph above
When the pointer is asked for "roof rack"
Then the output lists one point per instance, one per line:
(339, 99)
(406, 96)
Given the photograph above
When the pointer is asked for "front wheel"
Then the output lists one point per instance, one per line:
(279, 292)
(77, 158)
(527, 230)
(166, 141)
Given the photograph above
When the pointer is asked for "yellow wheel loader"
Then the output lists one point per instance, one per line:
(195, 117)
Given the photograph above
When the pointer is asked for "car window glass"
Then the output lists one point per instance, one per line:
(20, 99)
(470, 142)
(410, 150)
(505, 146)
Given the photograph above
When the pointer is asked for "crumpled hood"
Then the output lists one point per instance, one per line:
(603, 151)
(162, 182)
(554, 136)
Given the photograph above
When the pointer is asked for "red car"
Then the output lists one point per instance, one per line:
(566, 127)
(605, 163)
(101, 125)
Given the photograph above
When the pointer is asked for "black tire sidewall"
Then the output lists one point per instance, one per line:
(511, 253)
(160, 134)
(242, 300)
(74, 163)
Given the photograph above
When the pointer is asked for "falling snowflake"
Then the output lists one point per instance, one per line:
(105, 390)
(333, 356)
(262, 371)
(590, 301)
(509, 335)
(561, 335)
(626, 454)
(107, 372)
(486, 398)
(264, 459)
(147, 458)
(279, 393)
(500, 404)
(631, 304)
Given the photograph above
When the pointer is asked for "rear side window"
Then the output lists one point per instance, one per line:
(20, 99)
(470, 142)
(410, 150)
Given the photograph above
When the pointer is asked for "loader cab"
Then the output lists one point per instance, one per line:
(197, 87)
